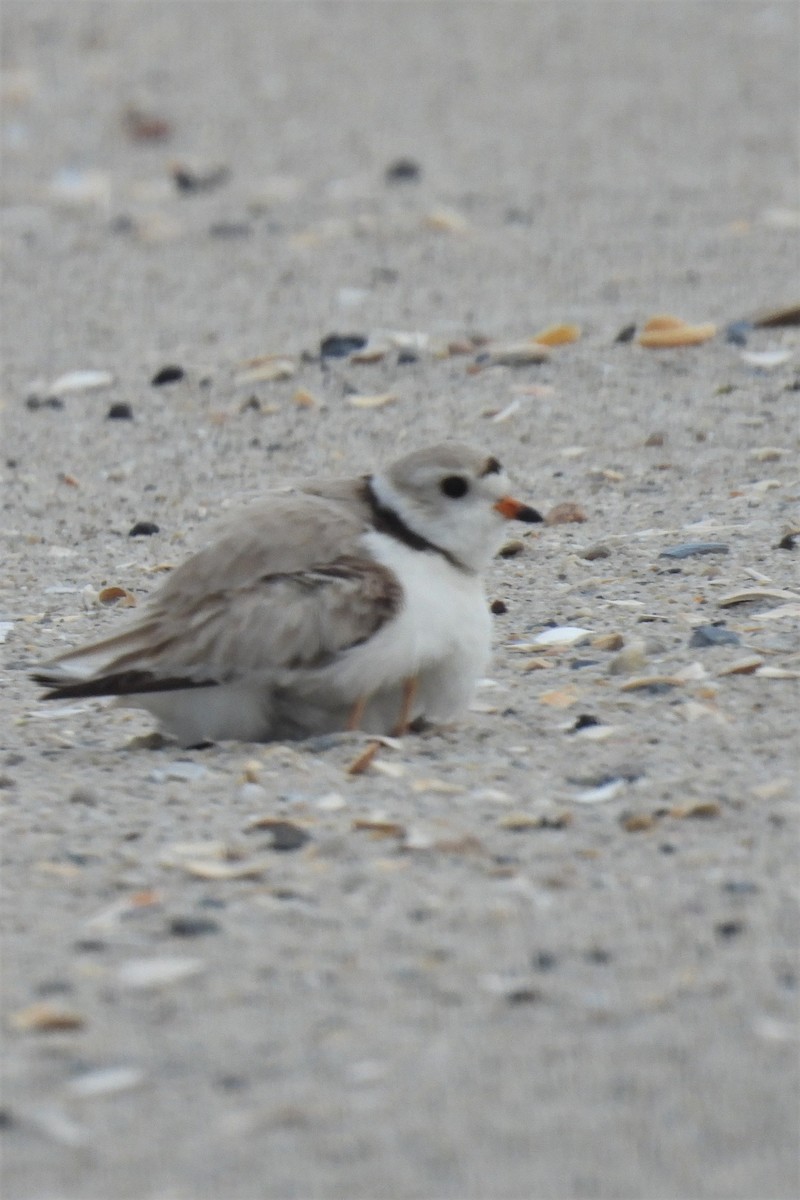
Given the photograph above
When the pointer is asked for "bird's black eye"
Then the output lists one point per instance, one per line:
(454, 486)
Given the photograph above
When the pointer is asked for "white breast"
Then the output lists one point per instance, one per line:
(441, 634)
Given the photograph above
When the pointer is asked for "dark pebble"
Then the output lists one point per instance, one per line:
(626, 334)
(688, 549)
(667, 848)
(728, 929)
(787, 543)
(189, 927)
(190, 181)
(406, 357)
(339, 345)
(524, 995)
(168, 374)
(740, 887)
(598, 955)
(229, 229)
(714, 635)
(544, 961)
(403, 170)
(584, 721)
(211, 902)
(120, 412)
(736, 333)
(33, 403)
(6, 1119)
(578, 664)
(498, 607)
(144, 529)
(90, 945)
(288, 836)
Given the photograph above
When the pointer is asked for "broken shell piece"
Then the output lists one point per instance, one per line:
(769, 672)
(657, 682)
(608, 641)
(80, 381)
(304, 399)
(562, 635)
(373, 352)
(766, 360)
(632, 658)
(379, 828)
(757, 594)
(44, 1018)
(560, 697)
(142, 974)
(603, 792)
(211, 869)
(681, 335)
(567, 513)
(105, 1081)
(774, 317)
(557, 335)
(663, 321)
(767, 453)
(513, 354)
(265, 369)
(446, 220)
(112, 595)
(379, 401)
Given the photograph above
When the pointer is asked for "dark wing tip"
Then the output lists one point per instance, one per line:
(124, 683)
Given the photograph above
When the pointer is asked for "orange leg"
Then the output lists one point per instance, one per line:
(409, 695)
(356, 714)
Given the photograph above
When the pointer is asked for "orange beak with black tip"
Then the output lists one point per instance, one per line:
(515, 510)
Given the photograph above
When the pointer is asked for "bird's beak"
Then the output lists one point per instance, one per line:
(515, 510)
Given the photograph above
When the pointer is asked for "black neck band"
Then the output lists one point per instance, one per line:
(386, 520)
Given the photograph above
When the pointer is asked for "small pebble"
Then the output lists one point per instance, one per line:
(728, 929)
(584, 721)
(689, 549)
(33, 403)
(592, 553)
(498, 607)
(736, 333)
(788, 542)
(740, 887)
(192, 926)
(403, 170)
(339, 345)
(567, 513)
(714, 635)
(168, 374)
(143, 529)
(120, 412)
(632, 657)
(626, 334)
(511, 549)
(288, 836)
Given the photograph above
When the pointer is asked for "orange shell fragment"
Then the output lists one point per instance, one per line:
(557, 335)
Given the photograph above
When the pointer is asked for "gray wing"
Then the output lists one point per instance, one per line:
(269, 595)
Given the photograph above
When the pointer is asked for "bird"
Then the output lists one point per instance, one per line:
(342, 604)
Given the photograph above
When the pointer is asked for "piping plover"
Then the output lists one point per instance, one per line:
(343, 604)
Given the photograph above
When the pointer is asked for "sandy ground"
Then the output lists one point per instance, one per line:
(561, 963)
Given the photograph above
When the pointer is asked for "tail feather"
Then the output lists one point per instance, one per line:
(121, 683)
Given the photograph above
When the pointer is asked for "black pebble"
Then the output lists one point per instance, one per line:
(406, 357)
(728, 929)
(192, 926)
(788, 542)
(288, 836)
(584, 721)
(626, 334)
(740, 887)
(498, 607)
(143, 529)
(578, 664)
(120, 412)
(339, 345)
(403, 170)
(714, 635)
(90, 945)
(6, 1120)
(168, 374)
